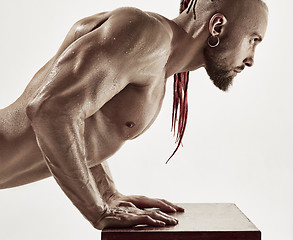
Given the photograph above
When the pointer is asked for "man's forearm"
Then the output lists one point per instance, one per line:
(61, 142)
(104, 180)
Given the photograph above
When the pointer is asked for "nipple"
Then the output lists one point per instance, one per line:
(130, 124)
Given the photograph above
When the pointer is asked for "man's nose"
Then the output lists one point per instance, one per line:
(249, 61)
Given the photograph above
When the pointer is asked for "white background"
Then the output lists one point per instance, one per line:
(237, 147)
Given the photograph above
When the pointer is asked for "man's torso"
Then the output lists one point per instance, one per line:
(127, 115)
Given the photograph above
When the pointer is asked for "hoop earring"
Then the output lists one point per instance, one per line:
(216, 44)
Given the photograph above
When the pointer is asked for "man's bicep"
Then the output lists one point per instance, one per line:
(82, 79)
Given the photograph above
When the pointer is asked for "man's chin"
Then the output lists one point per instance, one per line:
(222, 79)
(223, 85)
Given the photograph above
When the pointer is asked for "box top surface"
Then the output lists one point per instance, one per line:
(202, 217)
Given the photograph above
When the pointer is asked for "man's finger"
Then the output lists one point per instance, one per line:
(145, 219)
(126, 204)
(162, 205)
(158, 215)
(145, 202)
(123, 220)
(178, 208)
(165, 205)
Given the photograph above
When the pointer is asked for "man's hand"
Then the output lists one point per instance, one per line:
(122, 217)
(142, 202)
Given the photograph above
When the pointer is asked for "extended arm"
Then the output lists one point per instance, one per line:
(82, 79)
(61, 140)
(72, 92)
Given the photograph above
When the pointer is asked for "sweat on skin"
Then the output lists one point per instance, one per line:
(86, 101)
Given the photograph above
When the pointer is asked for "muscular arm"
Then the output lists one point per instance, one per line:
(84, 77)
(79, 84)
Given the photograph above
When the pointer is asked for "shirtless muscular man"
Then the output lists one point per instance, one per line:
(105, 85)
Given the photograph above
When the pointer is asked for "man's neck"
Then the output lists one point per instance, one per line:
(189, 39)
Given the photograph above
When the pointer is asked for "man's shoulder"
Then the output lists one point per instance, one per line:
(129, 12)
(138, 21)
(132, 14)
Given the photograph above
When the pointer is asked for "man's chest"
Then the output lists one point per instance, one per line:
(134, 109)
(126, 116)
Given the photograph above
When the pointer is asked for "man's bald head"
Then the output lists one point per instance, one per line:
(204, 8)
(232, 28)
(226, 33)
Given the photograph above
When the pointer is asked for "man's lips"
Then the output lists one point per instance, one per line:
(238, 70)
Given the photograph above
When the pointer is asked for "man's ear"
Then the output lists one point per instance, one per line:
(217, 24)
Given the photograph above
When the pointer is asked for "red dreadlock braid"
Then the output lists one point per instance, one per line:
(180, 98)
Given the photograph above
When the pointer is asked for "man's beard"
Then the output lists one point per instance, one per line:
(217, 70)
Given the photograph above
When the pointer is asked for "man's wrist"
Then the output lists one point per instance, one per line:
(110, 196)
(114, 196)
(98, 222)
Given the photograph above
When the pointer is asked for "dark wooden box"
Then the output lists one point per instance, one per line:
(200, 221)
